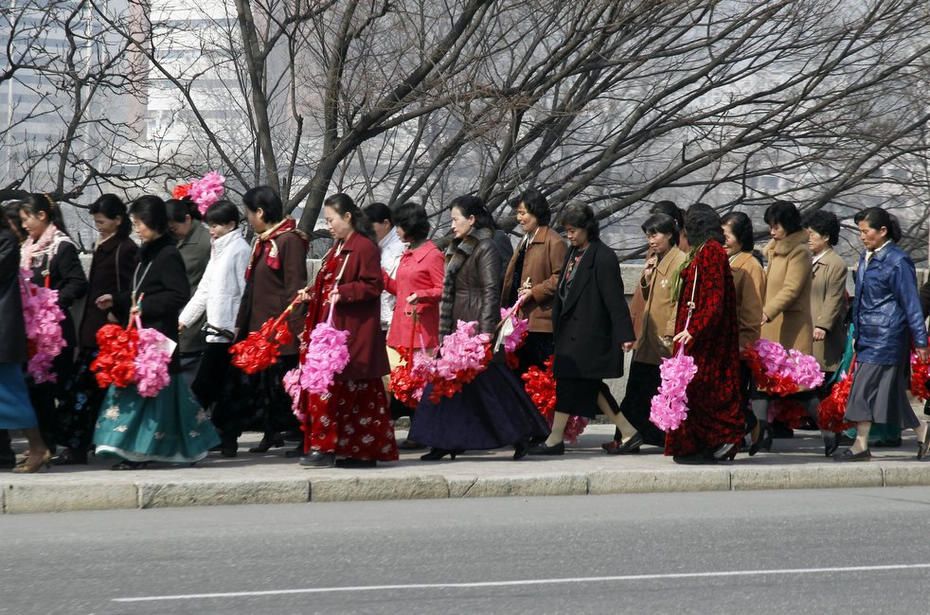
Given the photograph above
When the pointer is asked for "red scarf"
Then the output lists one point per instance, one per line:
(266, 246)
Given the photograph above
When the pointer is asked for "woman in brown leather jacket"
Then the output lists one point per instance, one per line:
(493, 410)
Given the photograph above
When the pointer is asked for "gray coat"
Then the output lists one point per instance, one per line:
(195, 251)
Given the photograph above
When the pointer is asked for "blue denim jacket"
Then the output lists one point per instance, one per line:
(886, 310)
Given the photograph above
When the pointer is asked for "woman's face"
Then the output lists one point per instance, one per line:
(731, 244)
(106, 226)
(659, 243)
(777, 231)
(872, 238)
(34, 223)
(145, 233)
(340, 225)
(527, 221)
(461, 225)
(218, 230)
(817, 242)
(256, 219)
(578, 237)
(181, 229)
(401, 234)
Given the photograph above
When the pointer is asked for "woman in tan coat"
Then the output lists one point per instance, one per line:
(533, 272)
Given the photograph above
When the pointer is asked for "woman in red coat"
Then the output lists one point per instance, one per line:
(353, 423)
(715, 422)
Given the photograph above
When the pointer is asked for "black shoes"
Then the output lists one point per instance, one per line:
(830, 445)
(629, 447)
(542, 449)
(923, 446)
(435, 454)
(763, 442)
(130, 465)
(316, 459)
(520, 449)
(70, 457)
(268, 442)
(848, 455)
(350, 463)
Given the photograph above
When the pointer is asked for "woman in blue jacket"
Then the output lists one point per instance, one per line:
(888, 320)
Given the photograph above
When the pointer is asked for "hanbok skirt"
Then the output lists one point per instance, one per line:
(16, 410)
(353, 422)
(170, 427)
(492, 411)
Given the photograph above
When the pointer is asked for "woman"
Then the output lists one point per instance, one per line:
(351, 427)
(277, 271)
(493, 410)
(654, 327)
(15, 408)
(11, 213)
(707, 327)
(888, 320)
(532, 275)
(170, 427)
(193, 242)
(591, 322)
(114, 260)
(417, 284)
(218, 297)
(52, 258)
(786, 310)
(749, 283)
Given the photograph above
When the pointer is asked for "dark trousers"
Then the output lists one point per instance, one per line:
(214, 387)
(7, 457)
(80, 406)
(641, 386)
(260, 401)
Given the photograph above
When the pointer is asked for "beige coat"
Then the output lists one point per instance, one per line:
(828, 308)
(749, 280)
(542, 266)
(655, 326)
(788, 293)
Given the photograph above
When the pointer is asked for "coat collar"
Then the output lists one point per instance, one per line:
(467, 244)
(354, 241)
(582, 274)
(670, 257)
(740, 259)
(226, 241)
(787, 244)
(420, 252)
(150, 250)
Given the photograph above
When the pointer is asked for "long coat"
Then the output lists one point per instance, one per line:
(656, 324)
(788, 293)
(12, 327)
(471, 287)
(591, 320)
(542, 265)
(195, 251)
(110, 273)
(749, 282)
(828, 309)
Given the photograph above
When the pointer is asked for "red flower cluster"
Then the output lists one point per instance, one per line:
(539, 384)
(181, 190)
(513, 361)
(772, 384)
(443, 387)
(791, 412)
(833, 408)
(115, 363)
(920, 373)
(406, 384)
(260, 349)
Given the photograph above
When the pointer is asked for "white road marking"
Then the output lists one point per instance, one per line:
(524, 582)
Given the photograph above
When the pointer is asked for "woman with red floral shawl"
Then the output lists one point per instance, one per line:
(715, 422)
(353, 423)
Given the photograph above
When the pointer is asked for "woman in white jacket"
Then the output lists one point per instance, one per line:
(219, 294)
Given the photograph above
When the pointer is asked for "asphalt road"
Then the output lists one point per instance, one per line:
(839, 551)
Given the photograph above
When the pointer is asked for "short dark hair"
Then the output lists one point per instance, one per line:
(112, 207)
(473, 206)
(581, 217)
(151, 210)
(413, 220)
(876, 218)
(378, 212)
(266, 199)
(179, 209)
(741, 226)
(825, 223)
(222, 212)
(702, 223)
(536, 205)
(784, 213)
(344, 204)
(669, 208)
(661, 223)
(11, 213)
(36, 203)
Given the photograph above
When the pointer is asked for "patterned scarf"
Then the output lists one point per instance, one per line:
(265, 245)
(457, 255)
(37, 253)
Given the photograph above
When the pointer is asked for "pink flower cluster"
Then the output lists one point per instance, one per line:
(292, 387)
(669, 407)
(462, 351)
(521, 327)
(151, 362)
(43, 319)
(327, 355)
(207, 190)
(790, 365)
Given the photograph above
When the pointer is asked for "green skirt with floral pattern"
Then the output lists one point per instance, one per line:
(170, 427)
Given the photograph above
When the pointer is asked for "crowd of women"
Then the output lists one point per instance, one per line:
(704, 290)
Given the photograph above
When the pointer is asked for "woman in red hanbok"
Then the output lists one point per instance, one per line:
(351, 427)
(715, 422)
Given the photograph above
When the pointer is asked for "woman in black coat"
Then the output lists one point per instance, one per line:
(591, 323)
(52, 258)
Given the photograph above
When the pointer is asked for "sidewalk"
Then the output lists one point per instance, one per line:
(584, 470)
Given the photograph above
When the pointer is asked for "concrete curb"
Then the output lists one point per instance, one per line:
(57, 494)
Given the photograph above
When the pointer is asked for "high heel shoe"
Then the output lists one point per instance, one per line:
(267, 443)
(435, 454)
(763, 442)
(830, 444)
(34, 464)
(725, 451)
(520, 449)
